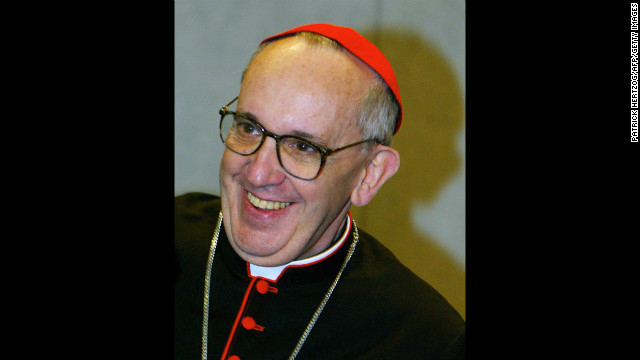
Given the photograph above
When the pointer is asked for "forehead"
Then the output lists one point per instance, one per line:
(295, 87)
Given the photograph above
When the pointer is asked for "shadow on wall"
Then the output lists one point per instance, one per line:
(432, 119)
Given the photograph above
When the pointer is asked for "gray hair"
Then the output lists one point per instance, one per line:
(378, 106)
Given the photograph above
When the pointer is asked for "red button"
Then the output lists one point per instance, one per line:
(234, 357)
(263, 287)
(250, 324)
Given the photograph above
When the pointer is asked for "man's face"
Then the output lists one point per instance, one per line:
(294, 89)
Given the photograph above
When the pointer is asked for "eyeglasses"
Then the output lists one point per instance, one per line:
(299, 157)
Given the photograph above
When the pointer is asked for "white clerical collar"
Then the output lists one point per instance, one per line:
(273, 273)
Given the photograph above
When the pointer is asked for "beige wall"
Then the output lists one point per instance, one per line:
(420, 213)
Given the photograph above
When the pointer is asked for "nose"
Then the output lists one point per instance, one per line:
(264, 169)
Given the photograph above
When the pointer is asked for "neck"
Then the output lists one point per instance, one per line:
(329, 236)
(340, 231)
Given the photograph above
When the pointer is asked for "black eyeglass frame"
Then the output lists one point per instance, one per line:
(324, 152)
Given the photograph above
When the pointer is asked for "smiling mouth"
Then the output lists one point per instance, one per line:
(265, 204)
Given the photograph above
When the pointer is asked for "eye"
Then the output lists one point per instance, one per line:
(246, 127)
(303, 146)
(299, 148)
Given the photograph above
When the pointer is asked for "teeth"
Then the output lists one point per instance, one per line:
(264, 204)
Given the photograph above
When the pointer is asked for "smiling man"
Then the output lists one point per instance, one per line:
(276, 267)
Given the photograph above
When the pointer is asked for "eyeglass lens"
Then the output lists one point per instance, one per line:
(243, 136)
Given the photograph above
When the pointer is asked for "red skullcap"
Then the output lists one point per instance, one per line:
(362, 48)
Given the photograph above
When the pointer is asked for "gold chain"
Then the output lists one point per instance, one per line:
(314, 318)
(207, 287)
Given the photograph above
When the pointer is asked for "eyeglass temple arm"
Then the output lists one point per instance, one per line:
(226, 107)
(330, 151)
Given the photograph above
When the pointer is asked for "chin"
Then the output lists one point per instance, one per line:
(256, 253)
(265, 247)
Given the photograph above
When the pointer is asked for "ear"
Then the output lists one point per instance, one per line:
(384, 163)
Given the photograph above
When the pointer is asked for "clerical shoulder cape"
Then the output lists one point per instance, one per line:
(378, 310)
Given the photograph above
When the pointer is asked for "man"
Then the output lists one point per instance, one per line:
(276, 267)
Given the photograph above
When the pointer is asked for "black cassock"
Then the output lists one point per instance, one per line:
(378, 310)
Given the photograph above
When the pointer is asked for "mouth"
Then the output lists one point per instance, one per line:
(266, 204)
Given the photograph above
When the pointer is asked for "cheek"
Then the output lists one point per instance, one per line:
(230, 165)
(334, 188)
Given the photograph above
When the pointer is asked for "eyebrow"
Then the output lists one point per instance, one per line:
(298, 133)
(247, 115)
(309, 137)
